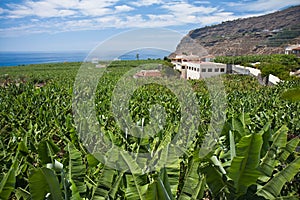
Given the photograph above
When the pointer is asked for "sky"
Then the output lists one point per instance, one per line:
(71, 25)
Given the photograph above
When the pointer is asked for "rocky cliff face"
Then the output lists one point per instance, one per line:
(265, 34)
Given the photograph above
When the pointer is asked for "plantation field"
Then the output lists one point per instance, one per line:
(255, 154)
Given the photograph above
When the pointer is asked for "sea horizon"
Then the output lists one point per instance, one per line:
(22, 58)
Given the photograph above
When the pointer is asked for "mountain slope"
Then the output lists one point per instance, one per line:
(265, 34)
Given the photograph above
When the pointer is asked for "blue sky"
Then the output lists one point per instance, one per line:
(60, 25)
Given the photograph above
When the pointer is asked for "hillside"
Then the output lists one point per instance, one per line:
(265, 34)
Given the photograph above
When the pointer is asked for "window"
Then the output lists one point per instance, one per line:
(183, 67)
(216, 69)
(197, 69)
(222, 69)
(203, 70)
(209, 70)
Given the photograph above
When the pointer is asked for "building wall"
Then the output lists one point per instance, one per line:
(209, 69)
(193, 70)
(197, 70)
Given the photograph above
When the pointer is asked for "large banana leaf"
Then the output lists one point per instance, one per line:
(169, 163)
(76, 168)
(289, 149)
(104, 184)
(165, 181)
(273, 188)
(280, 137)
(137, 184)
(108, 184)
(46, 150)
(136, 187)
(43, 182)
(157, 191)
(214, 179)
(243, 170)
(193, 182)
(75, 192)
(269, 161)
(8, 182)
(267, 137)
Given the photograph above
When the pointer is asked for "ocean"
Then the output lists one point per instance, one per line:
(26, 58)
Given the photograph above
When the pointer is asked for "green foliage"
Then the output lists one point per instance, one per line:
(276, 69)
(41, 153)
(292, 94)
(272, 189)
(8, 182)
(194, 182)
(284, 36)
(77, 169)
(243, 170)
(277, 64)
(44, 183)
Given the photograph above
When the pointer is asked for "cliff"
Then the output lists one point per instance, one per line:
(267, 34)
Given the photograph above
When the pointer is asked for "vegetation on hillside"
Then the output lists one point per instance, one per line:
(278, 64)
(42, 156)
(284, 36)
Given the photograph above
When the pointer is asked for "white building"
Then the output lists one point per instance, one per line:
(293, 49)
(192, 67)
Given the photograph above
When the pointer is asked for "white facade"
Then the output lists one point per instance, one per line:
(192, 67)
(209, 69)
(293, 49)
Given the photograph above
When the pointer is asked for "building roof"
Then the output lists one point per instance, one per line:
(190, 57)
(292, 47)
(297, 48)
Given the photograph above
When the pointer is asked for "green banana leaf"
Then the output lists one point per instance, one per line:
(109, 184)
(165, 181)
(42, 182)
(157, 191)
(77, 169)
(273, 188)
(194, 183)
(269, 161)
(289, 149)
(214, 179)
(8, 182)
(243, 170)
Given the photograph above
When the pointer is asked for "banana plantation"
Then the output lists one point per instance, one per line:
(44, 156)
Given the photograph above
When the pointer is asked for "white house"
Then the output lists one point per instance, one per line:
(293, 49)
(193, 67)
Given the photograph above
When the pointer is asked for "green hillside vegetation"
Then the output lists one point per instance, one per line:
(284, 36)
(277, 64)
(42, 156)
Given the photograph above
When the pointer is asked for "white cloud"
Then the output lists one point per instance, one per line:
(95, 8)
(261, 5)
(184, 8)
(185, 13)
(123, 8)
(52, 16)
(61, 8)
(146, 2)
(201, 2)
